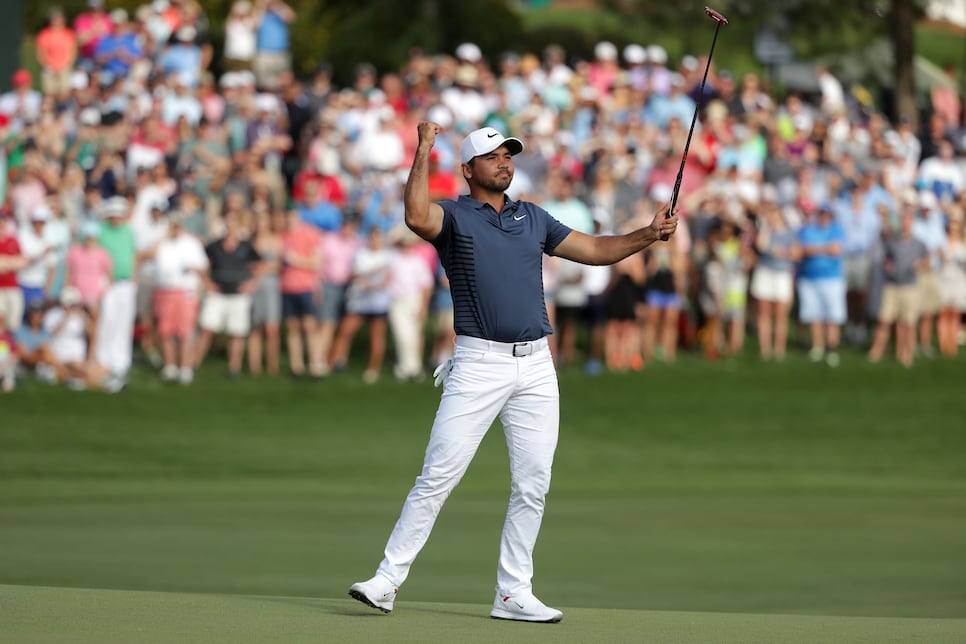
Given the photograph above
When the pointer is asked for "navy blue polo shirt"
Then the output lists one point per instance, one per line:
(494, 262)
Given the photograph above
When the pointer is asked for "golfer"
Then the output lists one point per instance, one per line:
(492, 248)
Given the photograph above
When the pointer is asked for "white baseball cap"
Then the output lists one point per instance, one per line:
(41, 213)
(484, 141)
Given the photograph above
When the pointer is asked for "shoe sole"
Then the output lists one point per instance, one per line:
(358, 595)
(519, 618)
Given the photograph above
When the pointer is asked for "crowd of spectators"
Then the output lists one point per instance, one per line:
(159, 196)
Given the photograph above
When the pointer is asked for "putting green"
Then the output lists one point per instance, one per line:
(42, 614)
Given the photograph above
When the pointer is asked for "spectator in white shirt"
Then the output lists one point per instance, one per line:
(942, 174)
(37, 277)
(181, 263)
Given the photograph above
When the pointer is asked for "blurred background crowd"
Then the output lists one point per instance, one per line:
(154, 211)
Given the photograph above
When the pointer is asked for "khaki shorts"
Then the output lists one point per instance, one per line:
(899, 304)
(268, 66)
(11, 307)
(930, 300)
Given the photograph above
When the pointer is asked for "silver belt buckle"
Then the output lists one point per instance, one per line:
(521, 349)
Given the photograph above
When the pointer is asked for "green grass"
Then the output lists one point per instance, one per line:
(105, 617)
(732, 487)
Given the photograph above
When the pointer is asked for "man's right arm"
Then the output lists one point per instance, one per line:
(422, 216)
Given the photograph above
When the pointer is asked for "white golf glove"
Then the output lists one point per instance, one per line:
(442, 371)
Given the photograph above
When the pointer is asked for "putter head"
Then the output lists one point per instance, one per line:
(714, 15)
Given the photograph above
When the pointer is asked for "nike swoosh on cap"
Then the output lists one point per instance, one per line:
(490, 136)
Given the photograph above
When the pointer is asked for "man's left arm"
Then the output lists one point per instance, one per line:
(610, 249)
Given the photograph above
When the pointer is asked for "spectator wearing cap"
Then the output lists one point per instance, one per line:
(267, 140)
(36, 279)
(241, 26)
(635, 57)
(322, 170)
(604, 70)
(89, 267)
(235, 268)
(118, 51)
(182, 102)
(72, 331)
(158, 22)
(181, 267)
(183, 56)
(272, 42)
(659, 76)
(115, 324)
(11, 261)
(928, 228)
(821, 283)
(22, 103)
(91, 27)
(149, 144)
(56, 47)
(464, 99)
(381, 149)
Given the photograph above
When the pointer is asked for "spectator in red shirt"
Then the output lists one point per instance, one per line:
(11, 261)
(301, 261)
(442, 184)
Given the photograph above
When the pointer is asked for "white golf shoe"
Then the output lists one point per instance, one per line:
(378, 592)
(524, 607)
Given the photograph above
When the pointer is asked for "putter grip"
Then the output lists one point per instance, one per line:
(670, 211)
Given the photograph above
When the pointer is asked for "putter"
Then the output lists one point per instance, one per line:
(719, 20)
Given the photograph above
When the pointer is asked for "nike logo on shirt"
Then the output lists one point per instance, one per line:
(515, 218)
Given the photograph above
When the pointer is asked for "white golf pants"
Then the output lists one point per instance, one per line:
(115, 327)
(487, 380)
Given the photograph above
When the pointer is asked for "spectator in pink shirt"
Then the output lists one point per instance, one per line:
(89, 267)
(91, 26)
(301, 260)
(410, 286)
(338, 249)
